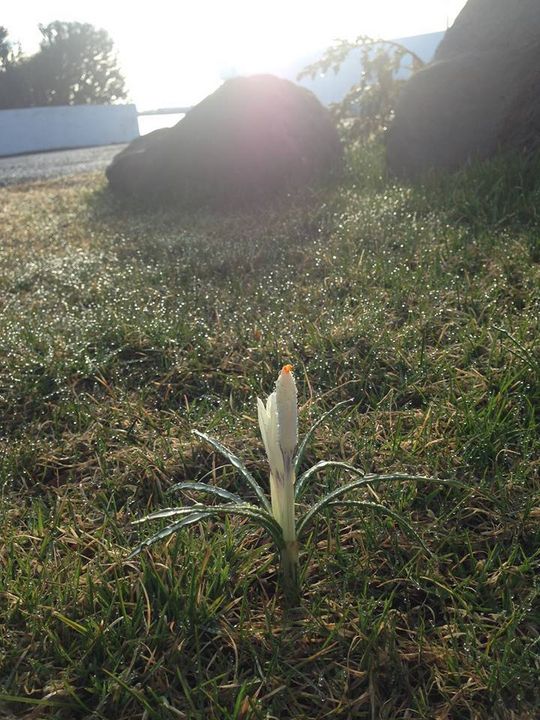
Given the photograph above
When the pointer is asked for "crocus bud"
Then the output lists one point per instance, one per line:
(287, 412)
(278, 420)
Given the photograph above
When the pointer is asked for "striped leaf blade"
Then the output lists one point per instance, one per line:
(309, 435)
(208, 489)
(239, 465)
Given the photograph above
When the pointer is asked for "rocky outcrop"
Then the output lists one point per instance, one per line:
(253, 137)
(481, 94)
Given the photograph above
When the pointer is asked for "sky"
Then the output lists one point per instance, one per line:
(175, 53)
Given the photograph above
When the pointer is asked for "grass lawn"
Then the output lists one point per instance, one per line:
(123, 329)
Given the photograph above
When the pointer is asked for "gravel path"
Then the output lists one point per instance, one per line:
(44, 166)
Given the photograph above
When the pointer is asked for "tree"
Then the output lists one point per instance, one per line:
(75, 65)
(12, 90)
(5, 47)
(368, 106)
(8, 54)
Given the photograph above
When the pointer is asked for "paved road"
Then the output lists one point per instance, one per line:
(43, 166)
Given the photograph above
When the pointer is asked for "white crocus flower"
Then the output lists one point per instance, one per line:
(278, 420)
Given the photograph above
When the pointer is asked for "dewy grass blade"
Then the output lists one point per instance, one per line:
(378, 507)
(525, 355)
(302, 480)
(309, 435)
(33, 701)
(208, 489)
(239, 465)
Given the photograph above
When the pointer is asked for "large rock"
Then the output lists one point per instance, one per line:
(253, 137)
(481, 94)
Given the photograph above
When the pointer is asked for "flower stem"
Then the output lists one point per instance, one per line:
(290, 576)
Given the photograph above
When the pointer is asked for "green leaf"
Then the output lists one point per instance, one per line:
(524, 354)
(169, 512)
(302, 480)
(209, 489)
(367, 480)
(378, 507)
(261, 517)
(200, 512)
(169, 530)
(239, 465)
(81, 629)
(32, 701)
(137, 694)
(307, 437)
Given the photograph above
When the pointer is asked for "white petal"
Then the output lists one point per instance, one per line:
(275, 456)
(275, 498)
(268, 425)
(263, 422)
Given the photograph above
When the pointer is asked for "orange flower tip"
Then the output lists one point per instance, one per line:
(287, 369)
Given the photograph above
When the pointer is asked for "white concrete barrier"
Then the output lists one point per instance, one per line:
(52, 128)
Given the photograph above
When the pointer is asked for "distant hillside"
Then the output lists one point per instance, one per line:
(331, 88)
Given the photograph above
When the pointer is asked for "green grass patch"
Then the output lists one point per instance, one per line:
(124, 329)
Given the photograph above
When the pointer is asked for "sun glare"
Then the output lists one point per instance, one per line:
(175, 53)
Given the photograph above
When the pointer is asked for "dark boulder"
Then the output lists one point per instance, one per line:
(253, 137)
(480, 95)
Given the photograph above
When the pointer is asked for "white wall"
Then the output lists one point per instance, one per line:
(51, 128)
